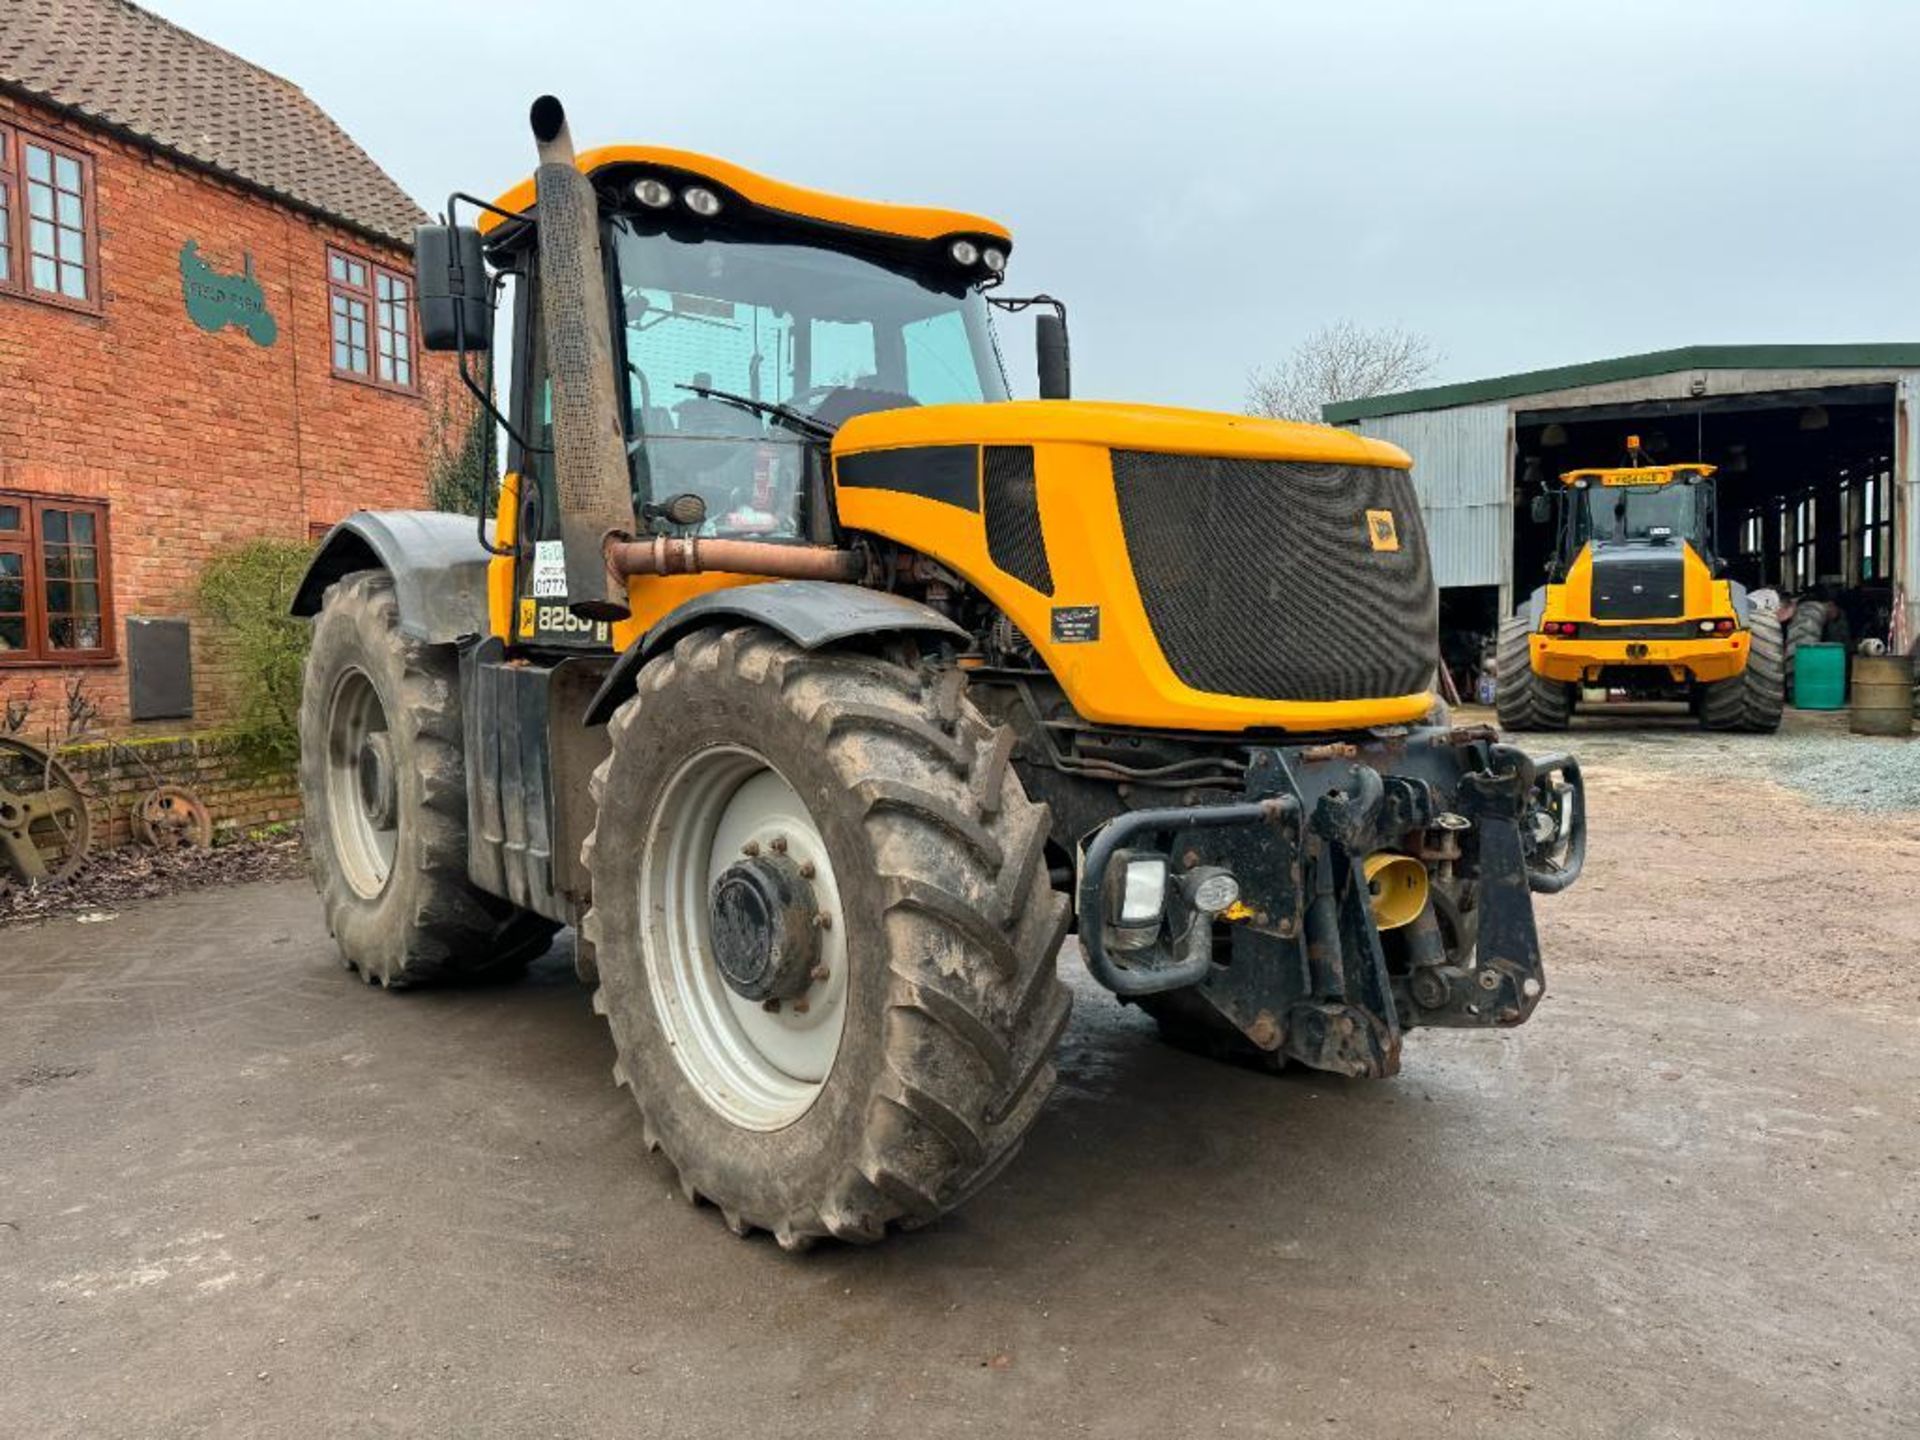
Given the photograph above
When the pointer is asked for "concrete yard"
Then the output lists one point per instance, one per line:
(242, 1195)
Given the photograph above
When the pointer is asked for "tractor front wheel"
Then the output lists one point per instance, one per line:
(825, 935)
(384, 793)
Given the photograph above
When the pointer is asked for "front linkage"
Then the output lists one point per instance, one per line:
(1352, 893)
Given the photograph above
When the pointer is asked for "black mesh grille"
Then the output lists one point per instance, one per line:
(1260, 579)
(1013, 516)
(1638, 587)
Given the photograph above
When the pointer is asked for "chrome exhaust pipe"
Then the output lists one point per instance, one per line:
(589, 446)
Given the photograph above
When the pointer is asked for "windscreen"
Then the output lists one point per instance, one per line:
(827, 333)
(1644, 514)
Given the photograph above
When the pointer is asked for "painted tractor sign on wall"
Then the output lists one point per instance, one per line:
(215, 301)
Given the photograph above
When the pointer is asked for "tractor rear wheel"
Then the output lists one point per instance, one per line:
(825, 935)
(1753, 699)
(384, 792)
(1524, 699)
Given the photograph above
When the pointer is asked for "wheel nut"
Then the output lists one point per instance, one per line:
(778, 844)
(806, 869)
(771, 1006)
(800, 1007)
(819, 973)
(751, 848)
(822, 921)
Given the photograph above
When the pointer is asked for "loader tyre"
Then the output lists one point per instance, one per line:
(1524, 699)
(1753, 699)
(383, 789)
(879, 1067)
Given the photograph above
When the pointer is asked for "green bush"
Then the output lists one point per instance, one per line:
(246, 592)
(457, 457)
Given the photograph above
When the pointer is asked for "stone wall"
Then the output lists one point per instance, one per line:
(241, 795)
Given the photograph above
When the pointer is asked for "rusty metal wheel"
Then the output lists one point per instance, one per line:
(172, 817)
(46, 826)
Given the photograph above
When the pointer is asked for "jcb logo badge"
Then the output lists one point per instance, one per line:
(528, 610)
(1381, 533)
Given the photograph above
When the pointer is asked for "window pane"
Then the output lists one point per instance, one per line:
(53, 527)
(40, 202)
(84, 563)
(66, 172)
(73, 247)
(81, 525)
(60, 632)
(67, 210)
(59, 596)
(39, 163)
(13, 632)
(86, 600)
(40, 237)
(86, 632)
(43, 273)
(6, 231)
(336, 268)
(12, 517)
(356, 272)
(73, 282)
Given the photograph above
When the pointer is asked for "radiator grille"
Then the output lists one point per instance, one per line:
(1638, 587)
(1013, 517)
(1260, 578)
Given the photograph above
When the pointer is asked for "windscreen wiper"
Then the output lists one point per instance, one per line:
(795, 420)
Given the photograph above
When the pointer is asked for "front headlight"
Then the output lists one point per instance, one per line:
(702, 201)
(964, 252)
(1145, 892)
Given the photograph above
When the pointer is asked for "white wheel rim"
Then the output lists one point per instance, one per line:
(366, 832)
(760, 1068)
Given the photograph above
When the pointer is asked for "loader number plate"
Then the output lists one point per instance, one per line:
(1075, 624)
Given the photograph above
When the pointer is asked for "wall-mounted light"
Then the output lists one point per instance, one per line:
(1814, 417)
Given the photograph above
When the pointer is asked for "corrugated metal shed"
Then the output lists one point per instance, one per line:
(1461, 459)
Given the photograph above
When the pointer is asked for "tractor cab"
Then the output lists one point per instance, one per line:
(1653, 508)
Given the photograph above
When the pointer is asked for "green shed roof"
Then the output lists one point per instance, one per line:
(1887, 355)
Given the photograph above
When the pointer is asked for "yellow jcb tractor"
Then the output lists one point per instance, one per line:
(825, 688)
(1635, 602)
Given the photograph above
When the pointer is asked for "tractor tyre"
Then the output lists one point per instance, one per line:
(1753, 699)
(1808, 625)
(825, 935)
(384, 790)
(1523, 699)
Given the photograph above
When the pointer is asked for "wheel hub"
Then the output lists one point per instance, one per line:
(379, 795)
(761, 915)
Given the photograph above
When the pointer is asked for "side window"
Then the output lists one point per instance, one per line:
(940, 363)
(370, 316)
(55, 599)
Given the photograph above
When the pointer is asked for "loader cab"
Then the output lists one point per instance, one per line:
(1655, 509)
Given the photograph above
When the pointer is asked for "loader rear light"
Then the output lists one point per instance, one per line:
(1716, 627)
(1565, 628)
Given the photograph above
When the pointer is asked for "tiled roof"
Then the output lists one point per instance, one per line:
(112, 62)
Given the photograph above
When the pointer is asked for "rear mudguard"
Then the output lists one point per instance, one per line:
(1298, 965)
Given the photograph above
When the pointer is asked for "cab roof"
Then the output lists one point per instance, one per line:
(1637, 474)
(909, 222)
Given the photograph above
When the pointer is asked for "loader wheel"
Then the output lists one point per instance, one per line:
(825, 935)
(383, 787)
(1753, 699)
(1524, 699)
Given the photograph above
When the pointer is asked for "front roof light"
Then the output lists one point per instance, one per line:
(702, 201)
(996, 260)
(652, 193)
(964, 252)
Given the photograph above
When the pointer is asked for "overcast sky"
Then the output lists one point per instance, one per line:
(1206, 182)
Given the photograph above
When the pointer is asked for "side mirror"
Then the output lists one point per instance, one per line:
(1542, 510)
(1056, 366)
(450, 270)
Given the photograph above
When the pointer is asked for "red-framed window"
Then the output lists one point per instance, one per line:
(56, 581)
(370, 322)
(49, 235)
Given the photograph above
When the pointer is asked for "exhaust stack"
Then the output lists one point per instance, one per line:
(589, 449)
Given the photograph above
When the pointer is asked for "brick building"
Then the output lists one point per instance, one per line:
(206, 335)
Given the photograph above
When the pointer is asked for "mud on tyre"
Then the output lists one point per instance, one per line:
(883, 801)
(383, 789)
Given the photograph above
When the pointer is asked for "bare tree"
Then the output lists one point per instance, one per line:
(1341, 361)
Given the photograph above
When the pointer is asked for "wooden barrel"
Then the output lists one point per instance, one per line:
(1882, 695)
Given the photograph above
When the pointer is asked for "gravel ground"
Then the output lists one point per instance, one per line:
(1813, 754)
(244, 1195)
